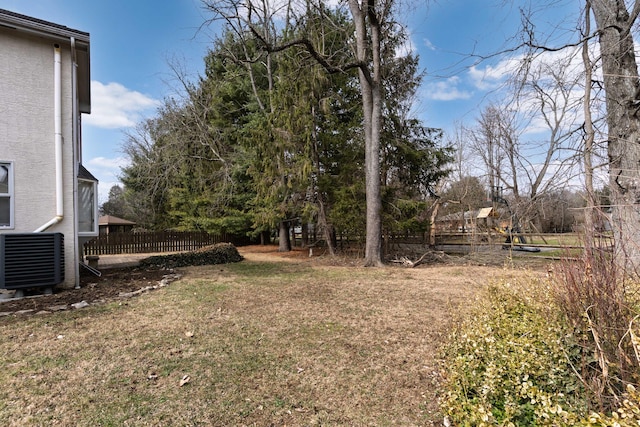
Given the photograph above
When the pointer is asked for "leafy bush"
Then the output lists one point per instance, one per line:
(221, 253)
(515, 361)
(507, 364)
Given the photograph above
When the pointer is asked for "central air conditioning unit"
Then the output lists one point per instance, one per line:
(31, 260)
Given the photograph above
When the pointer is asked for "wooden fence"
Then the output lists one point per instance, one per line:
(491, 238)
(157, 241)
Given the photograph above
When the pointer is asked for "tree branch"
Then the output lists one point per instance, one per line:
(306, 43)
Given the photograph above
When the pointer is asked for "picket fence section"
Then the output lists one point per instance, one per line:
(150, 242)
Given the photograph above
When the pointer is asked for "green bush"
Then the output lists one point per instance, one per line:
(515, 361)
(509, 364)
(221, 253)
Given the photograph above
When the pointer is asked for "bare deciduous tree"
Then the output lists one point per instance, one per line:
(529, 144)
(551, 89)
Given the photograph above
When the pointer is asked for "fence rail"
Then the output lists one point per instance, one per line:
(494, 238)
(175, 241)
(157, 241)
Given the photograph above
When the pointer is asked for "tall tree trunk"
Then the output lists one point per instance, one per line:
(621, 84)
(368, 41)
(327, 229)
(265, 237)
(432, 223)
(305, 234)
(284, 240)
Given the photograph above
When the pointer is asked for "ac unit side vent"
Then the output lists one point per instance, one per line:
(29, 260)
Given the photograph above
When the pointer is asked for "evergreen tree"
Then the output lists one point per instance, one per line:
(266, 139)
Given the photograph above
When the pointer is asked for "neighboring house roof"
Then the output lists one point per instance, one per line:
(113, 220)
(49, 30)
(83, 173)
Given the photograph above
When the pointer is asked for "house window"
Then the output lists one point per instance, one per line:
(87, 207)
(6, 195)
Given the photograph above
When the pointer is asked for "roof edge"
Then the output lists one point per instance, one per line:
(49, 29)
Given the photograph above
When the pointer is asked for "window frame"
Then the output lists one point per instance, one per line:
(9, 195)
(94, 208)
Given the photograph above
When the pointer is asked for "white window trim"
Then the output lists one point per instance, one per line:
(95, 209)
(11, 196)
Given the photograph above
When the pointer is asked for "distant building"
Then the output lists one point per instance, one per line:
(109, 224)
(470, 221)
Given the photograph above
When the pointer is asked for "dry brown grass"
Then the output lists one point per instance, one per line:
(263, 342)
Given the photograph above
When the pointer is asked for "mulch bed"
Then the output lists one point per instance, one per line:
(109, 286)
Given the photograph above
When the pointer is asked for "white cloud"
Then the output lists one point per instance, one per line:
(491, 77)
(427, 43)
(447, 90)
(105, 163)
(114, 106)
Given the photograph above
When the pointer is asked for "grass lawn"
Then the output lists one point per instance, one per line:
(263, 342)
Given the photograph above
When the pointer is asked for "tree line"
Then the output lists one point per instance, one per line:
(271, 138)
(303, 116)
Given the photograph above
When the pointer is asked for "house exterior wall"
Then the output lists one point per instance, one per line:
(27, 136)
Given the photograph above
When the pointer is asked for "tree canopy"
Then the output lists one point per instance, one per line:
(266, 140)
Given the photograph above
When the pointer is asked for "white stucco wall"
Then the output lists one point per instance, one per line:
(27, 135)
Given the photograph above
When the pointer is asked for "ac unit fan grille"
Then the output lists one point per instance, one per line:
(31, 260)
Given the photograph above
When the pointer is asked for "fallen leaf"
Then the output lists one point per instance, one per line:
(185, 380)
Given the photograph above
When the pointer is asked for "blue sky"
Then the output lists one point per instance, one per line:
(133, 42)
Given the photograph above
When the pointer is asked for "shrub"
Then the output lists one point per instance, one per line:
(221, 253)
(520, 360)
(507, 364)
(596, 298)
